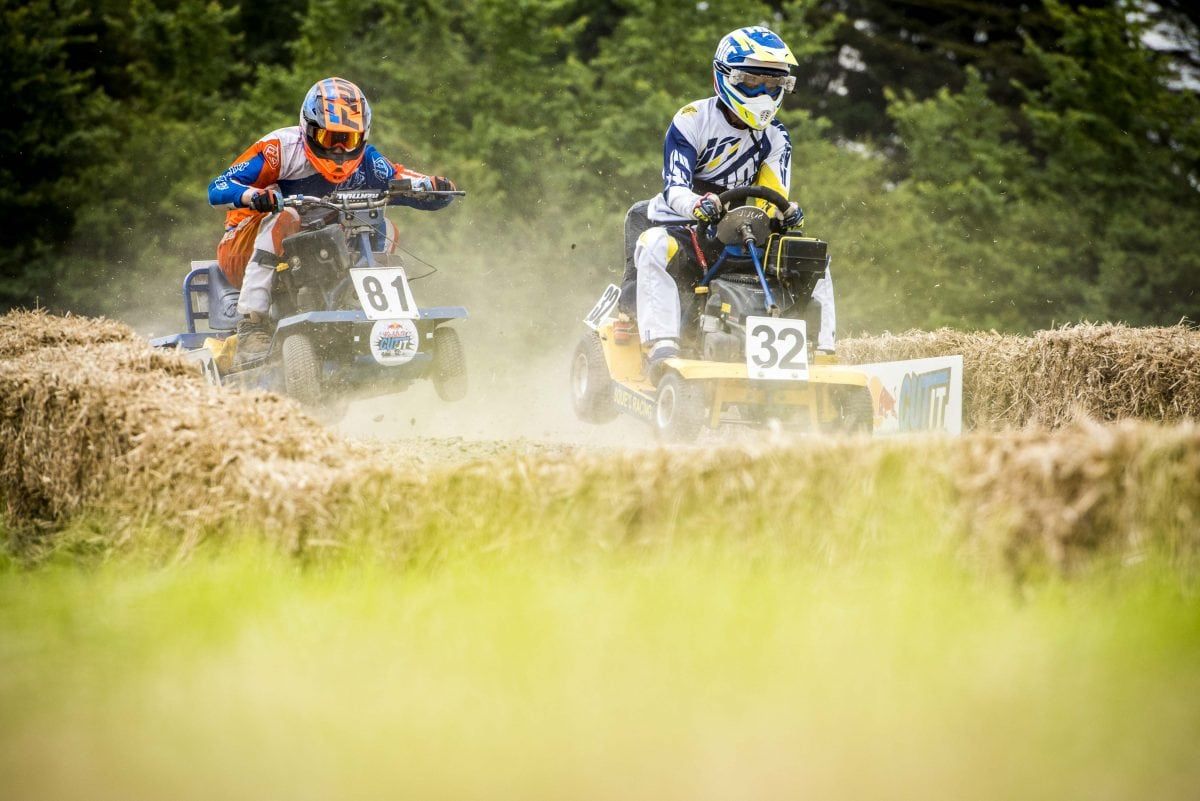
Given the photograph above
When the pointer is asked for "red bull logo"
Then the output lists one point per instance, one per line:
(394, 341)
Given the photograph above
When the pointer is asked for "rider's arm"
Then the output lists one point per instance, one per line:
(679, 165)
(380, 171)
(776, 171)
(252, 170)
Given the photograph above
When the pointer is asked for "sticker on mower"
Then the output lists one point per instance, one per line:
(776, 349)
(603, 308)
(384, 293)
(394, 341)
(633, 402)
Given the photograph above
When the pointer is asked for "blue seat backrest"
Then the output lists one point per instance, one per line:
(222, 298)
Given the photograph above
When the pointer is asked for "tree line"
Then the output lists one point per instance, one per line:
(972, 163)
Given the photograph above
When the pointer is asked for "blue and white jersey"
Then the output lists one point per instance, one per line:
(703, 147)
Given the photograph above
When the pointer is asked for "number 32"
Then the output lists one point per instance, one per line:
(769, 344)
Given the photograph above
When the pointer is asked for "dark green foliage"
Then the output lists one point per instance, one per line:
(1122, 151)
(1013, 166)
(50, 109)
(1080, 203)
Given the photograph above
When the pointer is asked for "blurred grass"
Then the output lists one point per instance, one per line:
(204, 595)
(703, 667)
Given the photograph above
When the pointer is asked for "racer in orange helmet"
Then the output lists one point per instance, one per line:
(335, 119)
(325, 152)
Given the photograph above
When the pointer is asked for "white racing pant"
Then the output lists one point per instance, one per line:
(658, 309)
(256, 284)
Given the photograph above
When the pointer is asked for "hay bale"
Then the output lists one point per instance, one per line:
(1028, 500)
(24, 331)
(1098, 371)
(92, 417)
(1058, 497)
(92, 420)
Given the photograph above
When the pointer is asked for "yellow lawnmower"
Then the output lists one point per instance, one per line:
(746, 354)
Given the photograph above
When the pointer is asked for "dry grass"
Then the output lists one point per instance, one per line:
(1103, 372)
(93, 418)
(1057, 497)
(93, 422)
(1027, 498)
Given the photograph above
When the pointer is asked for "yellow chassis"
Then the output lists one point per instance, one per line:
(634, 393)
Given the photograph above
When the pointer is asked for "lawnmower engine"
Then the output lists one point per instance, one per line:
(793, 265)
(317, 260)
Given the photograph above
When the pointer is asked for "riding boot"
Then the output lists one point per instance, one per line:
(253, 341)
(656, 359)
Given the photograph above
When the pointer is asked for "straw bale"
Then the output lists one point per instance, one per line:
(1023, 498)
(94, 421)
(1058, 496)
(24, 331)
(91, 415)
(1098, 371)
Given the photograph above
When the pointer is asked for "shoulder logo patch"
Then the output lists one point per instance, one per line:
(688, 110)
(271, 155)
(383, 169)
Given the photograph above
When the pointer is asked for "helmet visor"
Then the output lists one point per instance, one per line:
(752, 84)
(338, 140)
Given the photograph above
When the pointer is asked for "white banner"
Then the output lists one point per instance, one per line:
(916, 395)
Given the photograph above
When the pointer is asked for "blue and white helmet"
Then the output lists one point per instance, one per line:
(751, 74)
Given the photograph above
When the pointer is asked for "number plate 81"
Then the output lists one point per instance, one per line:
(384, 294)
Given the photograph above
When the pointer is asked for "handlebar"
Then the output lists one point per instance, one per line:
(364, 200)
(760, 192)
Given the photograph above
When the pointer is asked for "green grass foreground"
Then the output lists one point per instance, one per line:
(698, 668)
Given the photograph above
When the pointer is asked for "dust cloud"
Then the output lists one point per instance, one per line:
(526, 295)
(515, 398)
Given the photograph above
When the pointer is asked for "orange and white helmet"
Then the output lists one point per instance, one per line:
(335, 119)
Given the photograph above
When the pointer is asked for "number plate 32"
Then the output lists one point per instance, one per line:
(603, 308)
(384, 293)
(776, 349)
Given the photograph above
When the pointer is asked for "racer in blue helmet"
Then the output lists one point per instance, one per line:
(751, 73)
(729, 140)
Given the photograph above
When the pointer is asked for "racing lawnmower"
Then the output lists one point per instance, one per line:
(346, 322)
(746, 357)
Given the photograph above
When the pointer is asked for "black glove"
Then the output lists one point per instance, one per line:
(793, 216)
(707, 208)
(266, 200)
(441, 184)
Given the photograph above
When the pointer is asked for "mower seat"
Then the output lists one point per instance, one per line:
(222, 298)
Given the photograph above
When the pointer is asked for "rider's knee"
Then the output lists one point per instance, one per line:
(655, 247)
(283, 225)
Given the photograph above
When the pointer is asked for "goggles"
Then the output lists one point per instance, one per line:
(754, 83)
(343, 140)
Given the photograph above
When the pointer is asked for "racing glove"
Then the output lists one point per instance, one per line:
(793, 217)
(707, 208)
(432, 183)
(264, 200)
